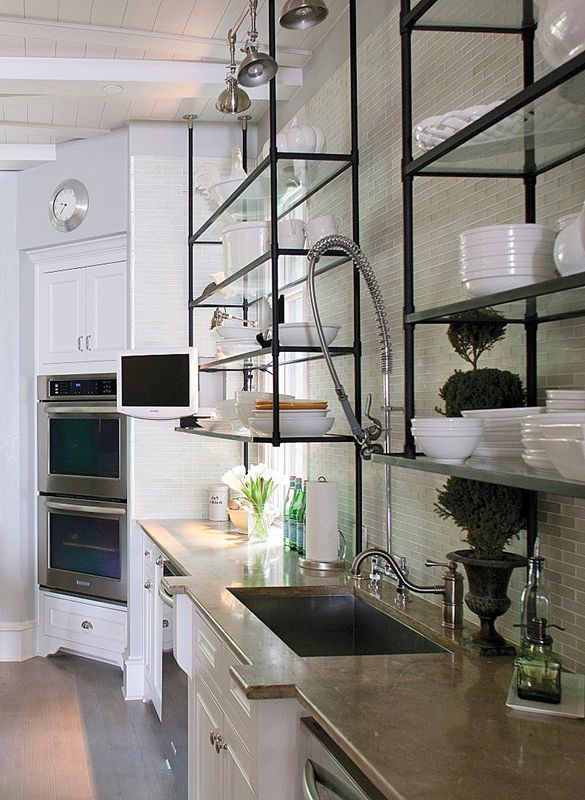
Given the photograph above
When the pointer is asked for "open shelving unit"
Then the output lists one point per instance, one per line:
(545, 142)
(280, 183)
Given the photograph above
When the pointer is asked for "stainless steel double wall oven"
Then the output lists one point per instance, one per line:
(82, 486)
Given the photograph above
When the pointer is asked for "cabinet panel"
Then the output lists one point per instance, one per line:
(61, 310)
(106, 311)
(208, 724)
(152, 621)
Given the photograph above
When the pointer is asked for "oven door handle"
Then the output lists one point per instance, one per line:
(167, 599)
(316, 775)
(79, 409)
(118, 512)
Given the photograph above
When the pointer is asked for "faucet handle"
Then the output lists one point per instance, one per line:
(451, 565)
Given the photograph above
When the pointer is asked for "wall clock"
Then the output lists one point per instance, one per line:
(68, 205)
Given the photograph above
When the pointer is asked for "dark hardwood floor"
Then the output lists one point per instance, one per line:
(66, 733)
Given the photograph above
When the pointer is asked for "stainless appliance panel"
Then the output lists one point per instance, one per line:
(82, 547)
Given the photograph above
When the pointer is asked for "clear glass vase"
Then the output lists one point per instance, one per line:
(258, 527)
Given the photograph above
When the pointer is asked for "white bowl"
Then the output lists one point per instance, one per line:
(567, 456)
(243, 243)
(482, 286)
(239, 516)
(442, 422)
(223, 189)
(510, 229)
(566, 394)
(225, 410)
(537, 461)
(497, 413)
(304, 334)
(503, 263)
(453, 449)
(240, 333)
(235, 347)
(541, 254)
(246, 403)
(296, 426)
(557, 405)
(564, 430)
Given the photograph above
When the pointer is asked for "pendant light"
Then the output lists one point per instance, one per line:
(257, 68)
(301, 14)
(232, 100)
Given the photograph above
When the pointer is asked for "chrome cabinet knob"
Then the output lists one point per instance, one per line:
(79, 345)
(147, 553)
(87, 343)
(212, 737)
(220, 744)
(159, 561)
(148, 584)
(86, 625)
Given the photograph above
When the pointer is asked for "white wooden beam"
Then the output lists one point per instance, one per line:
(193, 47)
(24, 156)
(62, 131)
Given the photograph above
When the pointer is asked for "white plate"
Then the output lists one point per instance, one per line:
(572, 698)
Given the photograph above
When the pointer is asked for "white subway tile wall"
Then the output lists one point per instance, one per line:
(450, 71)
(171, 471)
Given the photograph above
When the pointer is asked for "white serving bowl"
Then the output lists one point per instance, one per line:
(505, 413)
(442, 422)
(304, 334)
(542, 253)
(481, 286)
(448, 449)
(537, 461)
(292, 426)
(509, 230)
(243, 243)
(564, 430)
(236, 347)
(242, 332)
(567, 456)
(245, 403)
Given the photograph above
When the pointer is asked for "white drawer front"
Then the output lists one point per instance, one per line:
(83, 623)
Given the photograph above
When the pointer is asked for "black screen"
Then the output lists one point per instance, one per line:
(157, 381)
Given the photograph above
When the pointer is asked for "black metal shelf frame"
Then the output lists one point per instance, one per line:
(269, 167)
(411, 20)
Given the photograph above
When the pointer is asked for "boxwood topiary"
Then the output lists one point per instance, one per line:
(481, 388)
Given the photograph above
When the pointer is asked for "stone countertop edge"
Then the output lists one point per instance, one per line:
(418, 726)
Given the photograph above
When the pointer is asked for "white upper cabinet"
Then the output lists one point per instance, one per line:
(61, 305)
(105, 305)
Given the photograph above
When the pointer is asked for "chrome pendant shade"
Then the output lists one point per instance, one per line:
(256, 68)
(233, 100)
(302, 14)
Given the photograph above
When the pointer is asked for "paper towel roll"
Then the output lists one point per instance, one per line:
(321, 533)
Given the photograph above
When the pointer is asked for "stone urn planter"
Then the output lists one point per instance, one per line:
(487, 597)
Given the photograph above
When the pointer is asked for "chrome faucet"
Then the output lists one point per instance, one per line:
(451, 589)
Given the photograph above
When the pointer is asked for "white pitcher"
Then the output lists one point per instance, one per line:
(570, 246)
(561, 30)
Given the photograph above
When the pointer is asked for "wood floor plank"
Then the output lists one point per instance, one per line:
(66, 733)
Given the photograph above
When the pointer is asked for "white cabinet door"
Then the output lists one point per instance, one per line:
(208, 719)
(62, 320)
(153, 630)
(235, 785)
(106, 326)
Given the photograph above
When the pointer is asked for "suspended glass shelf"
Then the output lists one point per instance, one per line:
(498, 16)
(262, 359)
(535, 130)
(254, 280)
(508, 472)
(299, 176)
(251, 438)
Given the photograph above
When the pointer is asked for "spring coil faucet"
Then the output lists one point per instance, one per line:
(365, 437)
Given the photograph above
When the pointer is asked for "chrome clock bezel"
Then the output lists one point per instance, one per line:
(81, 205)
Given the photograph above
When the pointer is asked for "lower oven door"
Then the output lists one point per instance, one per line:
(82, 547)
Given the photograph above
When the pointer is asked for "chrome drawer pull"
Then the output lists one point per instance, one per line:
(220, 744)
(86, 624)
(166, 598)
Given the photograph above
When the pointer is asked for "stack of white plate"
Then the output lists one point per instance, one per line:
(536, 429)
(496, 258)
(449, 440)
(565, 400)
(245, 403)
(502, 434)
(235, 338)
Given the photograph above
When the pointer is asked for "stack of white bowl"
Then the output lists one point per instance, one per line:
(449, 440)
(502, 432)
(535, 430)
(235, 338)
(496, 258)
(565, 446)
(565, 400)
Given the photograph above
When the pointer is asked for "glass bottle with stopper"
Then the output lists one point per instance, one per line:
(535, 601)
(538, 669)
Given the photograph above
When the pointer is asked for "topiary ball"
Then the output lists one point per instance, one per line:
(481, 388)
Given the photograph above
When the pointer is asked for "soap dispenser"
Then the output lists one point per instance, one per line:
(538, 669)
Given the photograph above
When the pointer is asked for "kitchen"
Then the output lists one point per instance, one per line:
(136, 177)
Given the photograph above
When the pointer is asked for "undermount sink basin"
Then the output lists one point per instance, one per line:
(334, 625)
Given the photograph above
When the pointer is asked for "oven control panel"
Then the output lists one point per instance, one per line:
(84, 387)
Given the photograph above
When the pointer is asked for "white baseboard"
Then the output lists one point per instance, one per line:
(133, 688)
(17, 640)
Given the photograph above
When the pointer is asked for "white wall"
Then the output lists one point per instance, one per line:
(101, 164)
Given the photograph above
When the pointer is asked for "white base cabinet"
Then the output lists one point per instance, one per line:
(85, 627)
(152, 610)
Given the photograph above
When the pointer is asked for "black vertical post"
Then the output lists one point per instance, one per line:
(190, 118)
(274, 232)
(355, 217)
(247, 372)
(407, 229)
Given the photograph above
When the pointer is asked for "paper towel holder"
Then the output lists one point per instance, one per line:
(326, 566)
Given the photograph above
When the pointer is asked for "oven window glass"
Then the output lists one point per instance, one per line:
(88, 545)
(88, 447)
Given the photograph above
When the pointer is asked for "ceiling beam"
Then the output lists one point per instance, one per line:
(66, 131)
(192, 47)
(24, 156)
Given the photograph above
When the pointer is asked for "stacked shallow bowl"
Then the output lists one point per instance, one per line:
(502, 432)
(565, 400)
(235, 338)
(296, 418)
(564, 443)
(536, 429)
(496, 258)
(449, 440)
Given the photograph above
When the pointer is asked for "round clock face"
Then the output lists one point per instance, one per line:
(68, 205)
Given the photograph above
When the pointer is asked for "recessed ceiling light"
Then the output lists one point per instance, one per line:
(112, 88)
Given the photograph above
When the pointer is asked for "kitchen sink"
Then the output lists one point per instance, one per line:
(334, 625)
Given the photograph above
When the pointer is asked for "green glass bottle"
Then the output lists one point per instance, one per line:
(294, 514)
(538, 669)
(301, 522)
(288, 501)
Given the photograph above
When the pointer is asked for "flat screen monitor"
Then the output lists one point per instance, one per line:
(158, 384)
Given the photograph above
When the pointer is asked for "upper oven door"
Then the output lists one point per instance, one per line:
(82, 450)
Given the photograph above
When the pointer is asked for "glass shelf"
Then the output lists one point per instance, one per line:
(498, 16)
(252, 438)
(255, 359)
(253, 281)
(299, 176)
(537, 129)
(555, 286)
(507, 472)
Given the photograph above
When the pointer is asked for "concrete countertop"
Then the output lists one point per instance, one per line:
(421, 727)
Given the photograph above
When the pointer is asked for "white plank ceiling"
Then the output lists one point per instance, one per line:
(57, 55)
